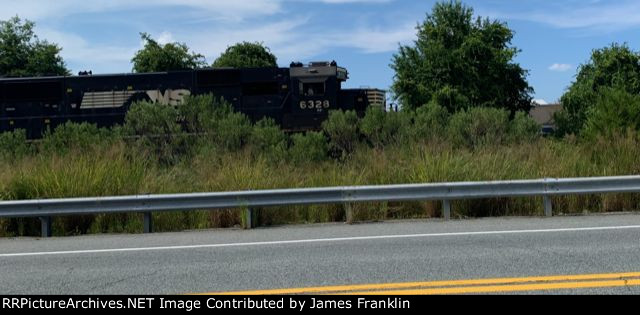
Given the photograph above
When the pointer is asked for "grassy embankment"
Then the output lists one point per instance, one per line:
(112, 170)
(123, 167)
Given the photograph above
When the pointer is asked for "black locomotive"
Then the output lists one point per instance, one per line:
(297, 98)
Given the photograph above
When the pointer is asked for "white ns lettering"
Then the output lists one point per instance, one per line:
(169, 97)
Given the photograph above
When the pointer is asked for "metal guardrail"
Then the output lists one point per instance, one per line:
(446, 192)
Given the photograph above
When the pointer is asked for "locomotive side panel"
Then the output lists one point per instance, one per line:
(105, 100)
(34, 105)
(297, 98)
(354, 99)
(265, 93)
(224, 83)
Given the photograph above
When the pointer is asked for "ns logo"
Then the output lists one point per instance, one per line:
(169, 97)
(114, 99)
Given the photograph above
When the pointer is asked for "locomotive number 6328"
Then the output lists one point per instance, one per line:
(315, 104)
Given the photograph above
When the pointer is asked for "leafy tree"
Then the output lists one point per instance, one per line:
(155, 57)
(615, 110)
(246, 55)
(615, 66)
(22, 53)
(460, 62)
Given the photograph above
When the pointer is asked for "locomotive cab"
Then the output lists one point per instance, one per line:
(314, 91)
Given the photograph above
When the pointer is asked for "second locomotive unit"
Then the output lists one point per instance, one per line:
(297, 98)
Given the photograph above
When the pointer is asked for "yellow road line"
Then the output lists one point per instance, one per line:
(418, 285)
(507, 288)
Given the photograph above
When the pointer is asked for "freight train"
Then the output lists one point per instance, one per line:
(297, 98)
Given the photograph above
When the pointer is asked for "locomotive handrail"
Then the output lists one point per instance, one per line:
(249, 200)
(283, 104)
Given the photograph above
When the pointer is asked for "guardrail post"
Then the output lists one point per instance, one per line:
(249, 219)
(348, 209)
(548, 207)
(45, 223)
(446, 209)
(148, 222)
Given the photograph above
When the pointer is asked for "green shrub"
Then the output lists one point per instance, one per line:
(342, 129)
(13, 145)
(150, 119)
(269, 139)
(381, 127)
(73, 135)
(309, 147)
(266, 134)
(195, 111)
(216, 122)
(198, 113)
(615, 110)
(398, 126)
(523, 129)
(430, 121)
(232, 131)
(156, 128)
(478, 126)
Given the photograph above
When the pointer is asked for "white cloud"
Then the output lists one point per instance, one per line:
(290, 41)
(354, 1)
(595, 16)
(290, 37)
(42, 9)
(165, 38)
(560, 67)
(84, 55)
(276, 35)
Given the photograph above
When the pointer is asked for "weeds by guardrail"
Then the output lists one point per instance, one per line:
(446, 192)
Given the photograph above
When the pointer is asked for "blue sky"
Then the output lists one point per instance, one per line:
(102, 35)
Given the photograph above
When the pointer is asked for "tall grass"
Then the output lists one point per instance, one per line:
(115, 170)
(117, 167)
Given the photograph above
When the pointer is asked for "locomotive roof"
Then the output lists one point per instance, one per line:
(325, 69)
(126, 74)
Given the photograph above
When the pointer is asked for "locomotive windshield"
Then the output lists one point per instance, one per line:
(312, 89)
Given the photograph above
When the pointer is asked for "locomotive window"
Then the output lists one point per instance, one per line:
(311, 89)
(33, 91)
(260, 88)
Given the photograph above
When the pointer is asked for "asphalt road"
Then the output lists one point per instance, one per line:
(306, 256)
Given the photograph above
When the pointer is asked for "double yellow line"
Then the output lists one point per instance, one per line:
(467, 286)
